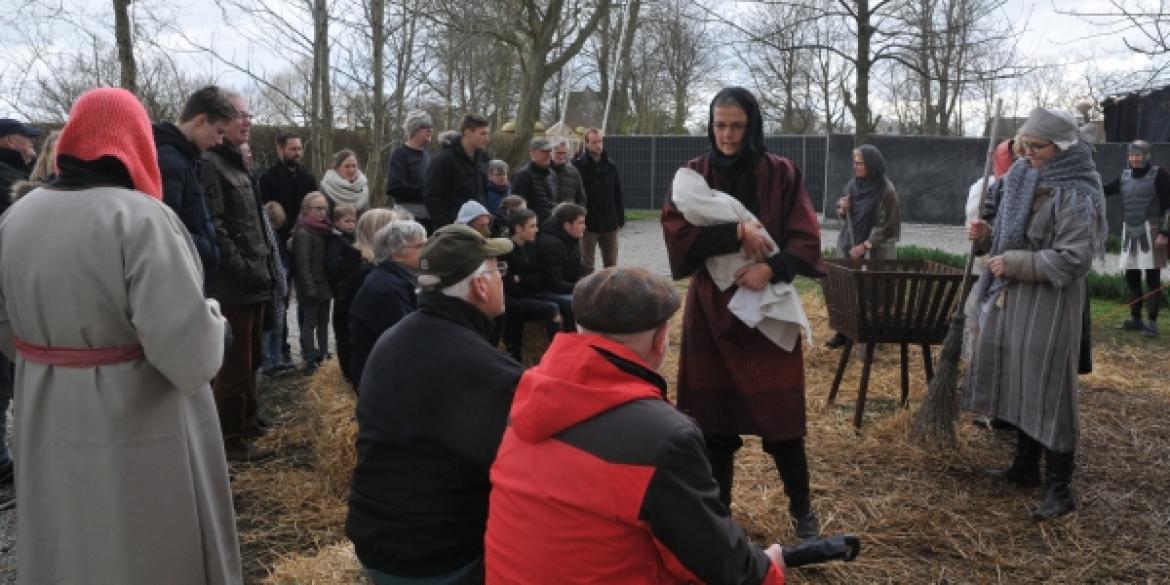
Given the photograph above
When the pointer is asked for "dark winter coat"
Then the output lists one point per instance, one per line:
(383, 300)
(406, 174)
(12, 170)
(524, 275)
(538, 187)
(180, 164)
(341, 259)
(732, 379)
(287, 186)
(570, 189)
(429, 424)
(607, 209)
(454, 179)
(558, 259)
(246, 273)
(308, 253)
(594, 409)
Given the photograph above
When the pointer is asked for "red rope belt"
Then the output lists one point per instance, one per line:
(66, 357)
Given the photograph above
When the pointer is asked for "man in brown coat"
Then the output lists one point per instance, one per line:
(243, 285)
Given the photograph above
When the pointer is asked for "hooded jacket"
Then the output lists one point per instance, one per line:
(557, 260)
(454, 178)
(593, 415)
(180, 163)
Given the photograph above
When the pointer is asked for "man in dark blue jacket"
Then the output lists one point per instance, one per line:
(201, 126)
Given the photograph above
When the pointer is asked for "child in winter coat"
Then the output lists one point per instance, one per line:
(274, 338)
(310, 237)
(341, 258)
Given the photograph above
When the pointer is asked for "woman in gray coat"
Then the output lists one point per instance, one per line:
(1048, 226)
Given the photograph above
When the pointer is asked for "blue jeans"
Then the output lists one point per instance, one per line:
(565, 304)
(466, 575)
(272, 346)
(7, 375)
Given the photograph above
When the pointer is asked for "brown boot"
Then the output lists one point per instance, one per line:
(241, 451)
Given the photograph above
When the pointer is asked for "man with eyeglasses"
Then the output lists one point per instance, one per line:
(243, 284)
(432, 407)
(570, 188)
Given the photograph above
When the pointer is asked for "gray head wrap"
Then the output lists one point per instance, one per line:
(416, 119)
(1058, 127)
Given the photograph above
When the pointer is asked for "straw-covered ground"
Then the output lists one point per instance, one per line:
(924, 515)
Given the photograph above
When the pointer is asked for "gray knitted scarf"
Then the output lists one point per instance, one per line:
(1070, 170)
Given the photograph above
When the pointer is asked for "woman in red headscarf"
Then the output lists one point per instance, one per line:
(120, 467)
(732, 379)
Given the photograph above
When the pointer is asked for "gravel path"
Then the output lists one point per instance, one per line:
(641, 244)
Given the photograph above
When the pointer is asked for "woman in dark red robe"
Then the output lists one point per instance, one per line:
(732, 379)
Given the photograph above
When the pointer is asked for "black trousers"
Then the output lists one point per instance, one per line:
(789, 456)
(1133, 278)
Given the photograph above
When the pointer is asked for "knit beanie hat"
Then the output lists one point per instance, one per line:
(416, 119)
(471, 210)
(110, 121)
(1058, 127)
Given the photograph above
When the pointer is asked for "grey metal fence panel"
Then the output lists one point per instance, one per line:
(646, 164)
(932, 174)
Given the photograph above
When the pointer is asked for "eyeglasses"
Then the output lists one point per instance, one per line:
(417, 246)
(1036, 145)
(502, 268)
(723, 126)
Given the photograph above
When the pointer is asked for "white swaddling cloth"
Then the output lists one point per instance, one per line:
(776, 309)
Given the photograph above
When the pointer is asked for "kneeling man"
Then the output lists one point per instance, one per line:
(599, 479)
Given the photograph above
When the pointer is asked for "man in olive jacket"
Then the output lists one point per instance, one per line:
(243, 284)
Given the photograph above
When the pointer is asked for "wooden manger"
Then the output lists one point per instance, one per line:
(889, 301)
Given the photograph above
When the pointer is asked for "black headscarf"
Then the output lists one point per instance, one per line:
(865, 195)
(83, 174)
(737, 170)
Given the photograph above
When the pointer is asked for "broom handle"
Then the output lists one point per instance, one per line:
(987, 166)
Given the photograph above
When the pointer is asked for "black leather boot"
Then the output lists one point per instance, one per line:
(1060, 499)
(721, 453)
(792, 464)
(1025, 468)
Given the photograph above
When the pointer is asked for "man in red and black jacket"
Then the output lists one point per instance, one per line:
(595, 408)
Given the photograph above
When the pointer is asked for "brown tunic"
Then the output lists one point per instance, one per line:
(732, 379)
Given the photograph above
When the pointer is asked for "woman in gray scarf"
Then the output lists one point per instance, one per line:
(870, 206)
(1049, 224)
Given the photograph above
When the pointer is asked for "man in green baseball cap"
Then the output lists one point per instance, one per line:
(434, 401)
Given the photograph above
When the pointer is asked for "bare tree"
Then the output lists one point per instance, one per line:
(125, 41)
(683, 51)
(1144, 27)
(531, 30)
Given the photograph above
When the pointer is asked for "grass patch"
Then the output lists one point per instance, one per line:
(642, 214)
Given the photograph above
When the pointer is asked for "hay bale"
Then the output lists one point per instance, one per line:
(333, 419)
(331, 565)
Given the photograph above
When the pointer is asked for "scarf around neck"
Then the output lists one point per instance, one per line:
(738, 171)
(317, 227)
(341, 191)
(865, 195)
(1071, 170)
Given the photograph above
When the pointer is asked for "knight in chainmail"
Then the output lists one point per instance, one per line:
(1145, 203)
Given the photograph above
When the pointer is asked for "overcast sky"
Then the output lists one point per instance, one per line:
(1049, 36)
